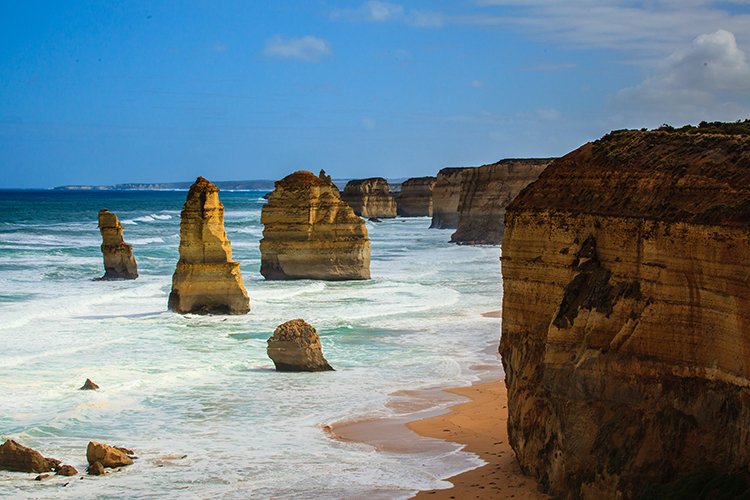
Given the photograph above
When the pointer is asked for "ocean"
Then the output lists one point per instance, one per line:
(197, 397)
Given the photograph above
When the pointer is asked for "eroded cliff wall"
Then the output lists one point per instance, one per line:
(626, 313)
(445, 197)
(415, 198)
(370, 197)
(485, 193)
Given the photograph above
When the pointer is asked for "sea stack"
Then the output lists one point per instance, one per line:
(311, 233)
(295, 347)
(370, 198)
(626, 314)
(119, 263)
(485, 192)
(207, 280)
(445, 197)
(415, 198)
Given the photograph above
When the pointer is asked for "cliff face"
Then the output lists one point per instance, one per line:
(206, 280)
(370, 197)
(485, 192)
(445, 197)
(310, 233)
(415, 198)
(119, 263)
(626, 313)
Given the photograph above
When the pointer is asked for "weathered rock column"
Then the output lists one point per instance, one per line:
(445, 197)
(119, 263)
(370, 198)
(207, 280)
(415, 198)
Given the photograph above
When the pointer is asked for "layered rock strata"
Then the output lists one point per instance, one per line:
(311, 233)
(485, 193)
(206, 280)
(445, 197)
(119, 263)
(370, 198)
(295, 347)
(415, 197)
(626, 313)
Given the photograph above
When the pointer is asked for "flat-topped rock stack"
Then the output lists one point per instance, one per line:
(485, 192)
(370, 198)
(626, 313)
(311, 233)
(119, 263)
(445, 197)
(206, 280)
(415, 198)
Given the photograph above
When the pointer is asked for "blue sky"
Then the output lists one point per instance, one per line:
(115, 91)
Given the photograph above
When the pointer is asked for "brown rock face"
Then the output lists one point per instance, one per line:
(89, 385)
(107, 456)
(310, 233)
(445, 197)
(207, 280)
(119, 263)
(295, 347)
(14, 457)
(67, 470)
(370, 198)
(485, 192)
(415, 198)
(626, 313)
(96, 469)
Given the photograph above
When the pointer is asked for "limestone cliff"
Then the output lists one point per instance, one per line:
(207, 280)
(415, 198)
(310, 233)
(626, 313)
(119, 263)
(370, 197)
(485, 192)
(445, 197)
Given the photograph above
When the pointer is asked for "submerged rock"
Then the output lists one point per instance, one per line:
(206, 280)
(310, 233)
(15, 457)
(89, 385)
(119, 263)
(42, 477)
(370, 198)
(625, 314)
(445, 197)
(108, 456)
(295, 347)
(415, 198)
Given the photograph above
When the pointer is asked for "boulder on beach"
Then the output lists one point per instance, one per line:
(206, 280)
(89, 385)
(15, 457)
(119, 263)
(108, 456)
(295, 347)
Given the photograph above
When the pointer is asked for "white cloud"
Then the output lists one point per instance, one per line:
(477, 84)
(706, 78)
(379, 11)
(382, 11)
(306, 48)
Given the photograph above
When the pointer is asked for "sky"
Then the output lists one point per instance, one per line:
(106, 92)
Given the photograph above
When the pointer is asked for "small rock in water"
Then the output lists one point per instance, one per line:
(96, 469)
(107, 456)
(374, 219)
(89, 385)
(295, 347)
(14, 457)
(67, 470)
(41, 476)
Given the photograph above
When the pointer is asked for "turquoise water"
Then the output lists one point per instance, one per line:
(202, 387)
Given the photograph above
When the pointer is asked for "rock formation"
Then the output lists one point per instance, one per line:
(15, 457)
(66, 470)
(370, 198)
(89, 385)
(626, 313)
(310, 233)
(119, 263)
(415, 198)
(207, 280)
(295, 347)
(485, 192)
(108, 456)
(445, 197)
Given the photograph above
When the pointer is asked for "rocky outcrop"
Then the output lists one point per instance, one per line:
(370, 198)
(108, 456)
(485, 192)
(119, 263)
(445, 197)
(295, 347)
(310, 233)
(415, 198)
(207, 280)
(18, 458)
(89, 385)
(626, 313)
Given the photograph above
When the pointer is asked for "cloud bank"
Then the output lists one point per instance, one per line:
(306, 48)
